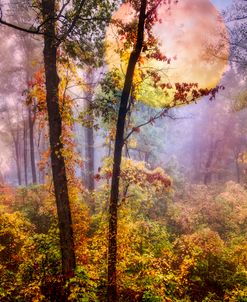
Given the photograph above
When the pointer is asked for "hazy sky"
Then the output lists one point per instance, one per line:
(221, 3)
(189, 36)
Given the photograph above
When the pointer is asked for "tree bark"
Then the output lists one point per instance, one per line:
(119, 143)
(90, 158)
(42, 146)
(18, 160)
(15, 135)
(208, 164)
(31, 140)
(236, 153)
(56, 145)
(25, 149)
(89, 135)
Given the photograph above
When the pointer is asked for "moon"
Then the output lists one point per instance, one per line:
(190, 33)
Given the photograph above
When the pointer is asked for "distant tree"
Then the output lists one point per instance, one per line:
(236, 17)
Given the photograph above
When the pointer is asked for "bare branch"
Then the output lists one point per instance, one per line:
(30, 31)
(158, 115)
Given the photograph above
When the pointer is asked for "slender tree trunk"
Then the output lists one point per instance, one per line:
(17, 156)
(56, 145)
(31, 119)
(238, 171)
(18, 167)
(89, 166)
(89, 152)
(208, 173)
(31, 140)
(41, 148)
(15, 135)
(90, 158)
(25, 150)
(208, 165)
(119, 143)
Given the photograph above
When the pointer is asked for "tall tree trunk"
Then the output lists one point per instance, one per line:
(25, 149)
(16, 141)
(236, 153)
(237, 171)
(15, 135)
(56, 145)
(31, 140)
(89, 152)
(42, 146)
(18, 161)
(90, 158)
(119, 143)
(208, 164)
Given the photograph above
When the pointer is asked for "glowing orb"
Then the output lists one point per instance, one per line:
(191, 33)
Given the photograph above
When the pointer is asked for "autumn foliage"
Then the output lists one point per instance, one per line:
(190, 250)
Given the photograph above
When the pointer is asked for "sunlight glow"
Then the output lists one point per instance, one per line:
(191, 34)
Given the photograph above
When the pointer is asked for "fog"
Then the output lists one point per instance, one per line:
(200, 142)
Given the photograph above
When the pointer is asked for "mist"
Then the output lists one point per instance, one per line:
(123, 166)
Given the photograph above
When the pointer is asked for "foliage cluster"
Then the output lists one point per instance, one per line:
(184, 247)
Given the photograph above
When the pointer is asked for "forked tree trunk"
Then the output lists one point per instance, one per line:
(119, 143)
(56, 145)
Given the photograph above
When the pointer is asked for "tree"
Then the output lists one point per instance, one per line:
(57, 27)
(55, 133)
(236, 16)
(14, 130)
(89, 133)
(31, 48)
(119, 142)
(138, 47)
